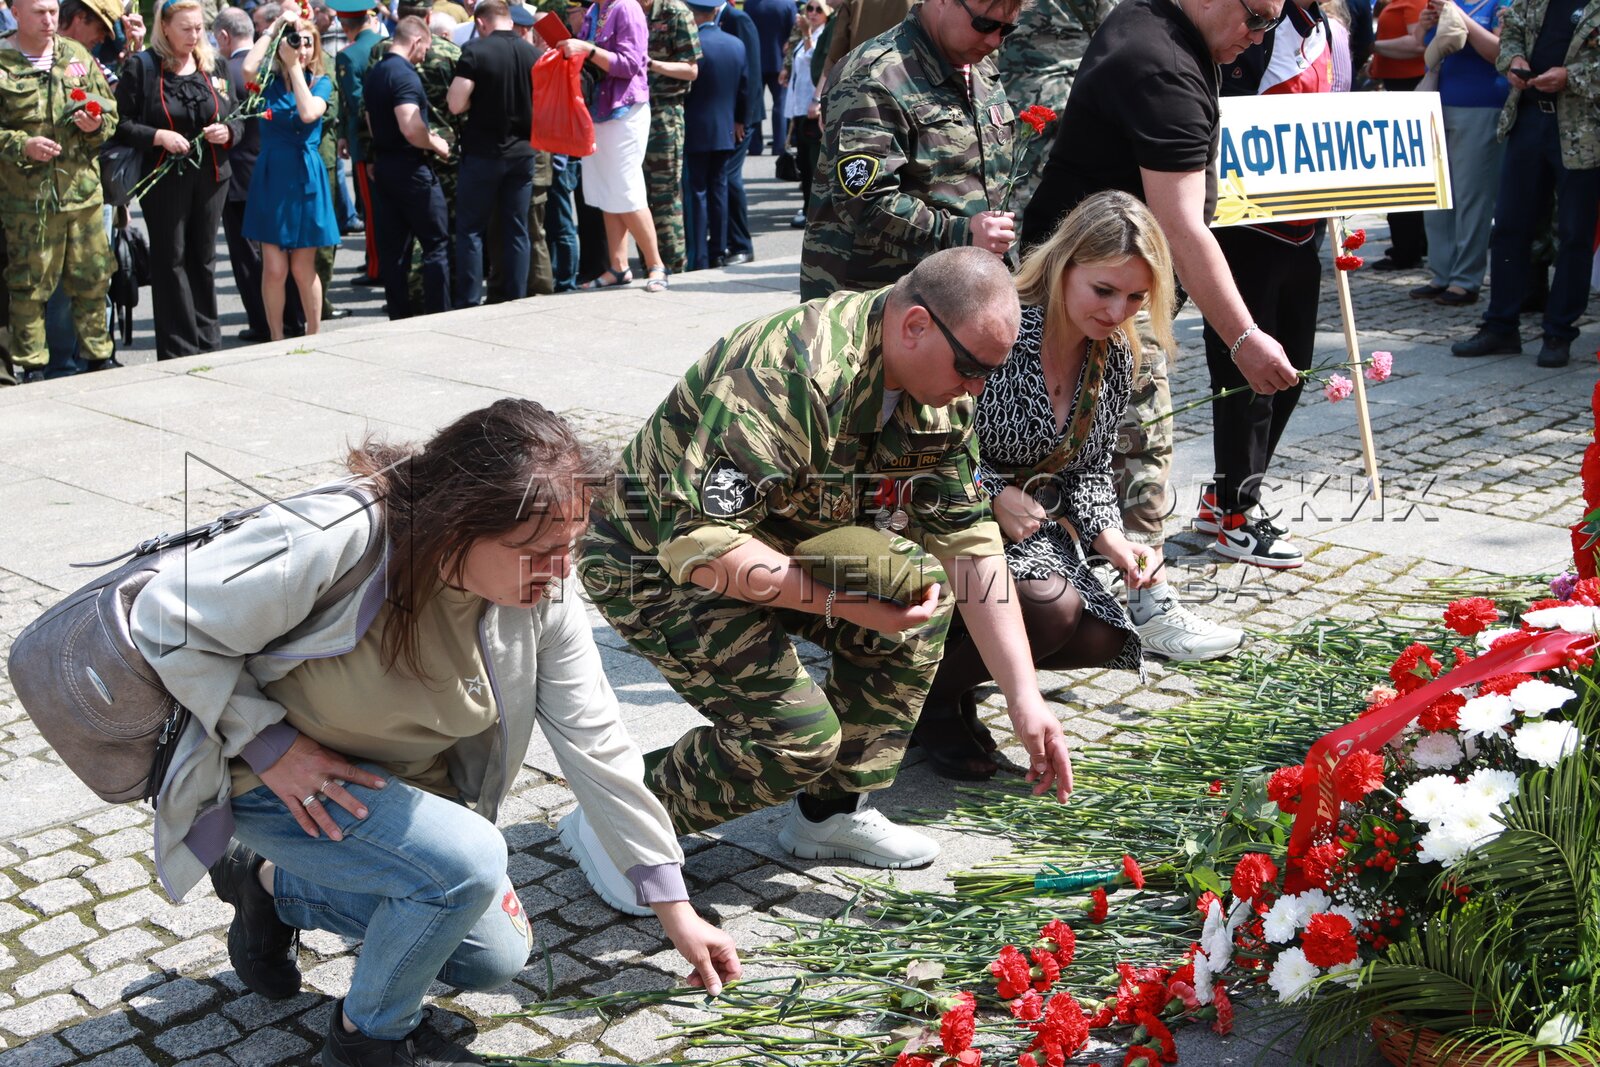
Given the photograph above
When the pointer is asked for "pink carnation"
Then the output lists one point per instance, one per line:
(1379, 367)
(1338, 388)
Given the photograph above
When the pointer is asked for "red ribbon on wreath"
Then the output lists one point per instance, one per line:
(1319, 805)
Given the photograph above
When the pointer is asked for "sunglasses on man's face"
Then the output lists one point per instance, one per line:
(967, 365)
(1261, 23)
(984, 25)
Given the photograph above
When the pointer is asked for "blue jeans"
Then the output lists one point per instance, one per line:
(561, 223)
(483, 183)
(344, 207)
(1531, 173)
(738, 206)
(421, 881)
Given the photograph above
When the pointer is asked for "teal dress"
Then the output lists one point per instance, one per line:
(290, 203)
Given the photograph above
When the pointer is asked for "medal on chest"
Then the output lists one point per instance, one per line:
(890, 500)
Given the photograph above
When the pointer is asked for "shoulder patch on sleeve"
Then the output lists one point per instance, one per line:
(856, 173)
(726, 490)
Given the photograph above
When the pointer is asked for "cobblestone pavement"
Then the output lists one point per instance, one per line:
(97, 966)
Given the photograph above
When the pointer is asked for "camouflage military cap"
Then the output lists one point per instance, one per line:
(107, 11)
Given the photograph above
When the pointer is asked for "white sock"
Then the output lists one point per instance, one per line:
(1147, 602)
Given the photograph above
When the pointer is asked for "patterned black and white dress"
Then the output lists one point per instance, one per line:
(1017, 429)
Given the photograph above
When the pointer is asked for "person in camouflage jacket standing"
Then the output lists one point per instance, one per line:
(916, 151)
(56, 110)
(1037, 64)
(845, 410)
(674, 50)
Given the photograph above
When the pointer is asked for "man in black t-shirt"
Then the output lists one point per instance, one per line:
(1143, 117)
(493, 87)
(406, 195)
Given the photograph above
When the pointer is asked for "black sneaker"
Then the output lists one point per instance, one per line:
(1488, 343)
(261, 946)
(1258, 542)
(422, 1047)
(1555, 353)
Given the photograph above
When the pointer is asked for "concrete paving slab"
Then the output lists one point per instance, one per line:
(65, 523)
(1489, 543)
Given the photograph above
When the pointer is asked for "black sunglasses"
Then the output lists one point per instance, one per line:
(967, 365)
(987, 26)
(813, 9)
(1262, 23)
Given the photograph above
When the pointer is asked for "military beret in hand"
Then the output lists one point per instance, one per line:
(857, 560)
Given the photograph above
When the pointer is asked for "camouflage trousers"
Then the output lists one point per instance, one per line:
(67, 248)
(773, 730)
(663, 181)
(1142, 462)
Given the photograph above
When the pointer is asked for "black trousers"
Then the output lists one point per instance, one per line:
(409, 205)
(1280, 285)
(1408, 241)
(182, 212)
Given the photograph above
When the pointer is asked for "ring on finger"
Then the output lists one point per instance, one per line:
(314, 798)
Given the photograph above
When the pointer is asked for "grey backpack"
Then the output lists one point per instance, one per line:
(83, 681)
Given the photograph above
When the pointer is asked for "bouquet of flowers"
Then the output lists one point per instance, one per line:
(1442, 879)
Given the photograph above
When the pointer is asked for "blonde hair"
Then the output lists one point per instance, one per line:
(307, 28)
(1108, 227)
(205, 59)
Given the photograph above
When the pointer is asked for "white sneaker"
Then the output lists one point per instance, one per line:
(608, 883)
(1178, 634)
(863, 835)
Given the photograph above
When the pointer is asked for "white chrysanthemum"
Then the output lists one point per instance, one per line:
(1491, 787)
(1215, 940)
(1486, 716)
(1350, 912)
(1489, 637)
(1573, 618)
(1437, 752)
(1546, 742)
(1430, 797)
(1345, 973)
(1291, 974)
(1440, 845)
(1539, 697)
(1473, 825)
(1202, 977)
(1281, 922)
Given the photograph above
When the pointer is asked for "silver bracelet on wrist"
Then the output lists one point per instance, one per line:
(827, 609)
(1233, 350)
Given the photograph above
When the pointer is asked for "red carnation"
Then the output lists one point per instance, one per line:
(1049, 969)
(1216, 786)
(1158, 1030)
(1471, 616)
(78, 96)
(1414, 668)
(1442, 713)
(1141, 1056)
(1028, 1007)
(1207, 899)
(1132, 872)
(1587, 591)
(252, 87)
(957, 1026)
(1099, 907)
(1348, 262)
(94, 109)
(1354, 240)
(1038, 116)
(1358, 774)
(1063, 938)
(1254, 871)
(1219, 997)
(1284, 787)
(1321, 864)
(906, 1059)
(1503, 684)
(1010, 970)
(266, 116)
(1329, 939)
(1101, 1018)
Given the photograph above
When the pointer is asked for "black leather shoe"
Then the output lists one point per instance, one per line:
(733, 259)
(366, 281)
(1427, 292)
(1452, 299)
(261, 946)
(1388, 264)
(1555, 353)
(30, 374)
(336, 313)
(251, 336)
(422, 1047)
(1487, 343)
(111, 363)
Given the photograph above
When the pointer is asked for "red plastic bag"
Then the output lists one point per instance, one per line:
(561, 122)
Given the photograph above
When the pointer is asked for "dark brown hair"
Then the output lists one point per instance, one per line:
(482, 476)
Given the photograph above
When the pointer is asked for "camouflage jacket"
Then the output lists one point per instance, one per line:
(1038, 62)
(774, 434)
(673, 39)
(1577, 117)
(351, 66)
(907, 158)
(36, 104)
(328, 147)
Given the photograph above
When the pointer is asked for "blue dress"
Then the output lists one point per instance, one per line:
(290, 203)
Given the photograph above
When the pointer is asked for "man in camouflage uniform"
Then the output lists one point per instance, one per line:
(50, 185)
(1551, 126)
(674, 50)
(1036, 66)
(911, 161)
(793, 425)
